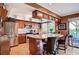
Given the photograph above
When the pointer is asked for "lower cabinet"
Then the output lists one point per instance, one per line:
(4, 45)
(21, 38)
(4, 48)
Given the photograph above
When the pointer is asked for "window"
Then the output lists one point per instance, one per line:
(48, 27)
(44, 28)
(51, 26)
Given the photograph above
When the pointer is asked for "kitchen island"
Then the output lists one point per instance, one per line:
(35, 42)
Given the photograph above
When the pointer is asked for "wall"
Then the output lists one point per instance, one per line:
(22, 24)
(64, 20)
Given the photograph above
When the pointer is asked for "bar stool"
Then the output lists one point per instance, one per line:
(62, 43)
(51, 46)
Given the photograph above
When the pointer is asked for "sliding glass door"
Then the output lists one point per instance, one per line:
(74, 31)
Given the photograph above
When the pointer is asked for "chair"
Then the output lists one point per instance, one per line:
(62, 43)
(50, 47)
(70, 40)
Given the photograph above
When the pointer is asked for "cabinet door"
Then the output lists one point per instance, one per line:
(0, 11)
(5, 48)
(22, 38)
(37, 14)
(3, 12)
(21, 24)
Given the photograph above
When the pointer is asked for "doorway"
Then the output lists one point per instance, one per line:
(74, 32)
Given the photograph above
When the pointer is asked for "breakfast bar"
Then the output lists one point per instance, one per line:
(35, 41)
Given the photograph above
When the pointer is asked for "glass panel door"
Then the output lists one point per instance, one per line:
(74, 32)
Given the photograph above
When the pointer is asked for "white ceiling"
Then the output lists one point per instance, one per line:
(62, 9)
(19, 10)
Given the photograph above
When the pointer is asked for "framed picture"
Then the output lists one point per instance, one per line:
(62, 26)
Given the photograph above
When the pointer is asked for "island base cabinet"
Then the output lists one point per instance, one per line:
(33, 46)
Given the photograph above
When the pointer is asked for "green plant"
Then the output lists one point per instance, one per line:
(51, 30)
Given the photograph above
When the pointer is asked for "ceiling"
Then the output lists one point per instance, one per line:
(23, 11)
(62, 9)
(19, 10)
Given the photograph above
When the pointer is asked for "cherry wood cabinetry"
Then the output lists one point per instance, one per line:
(45, 16)
(21, 38)
(1, 5)
(40, 15)
(37, 14)
(21, 23)
(33, 46)
(4, 45)
(3, 12)
(4, 48)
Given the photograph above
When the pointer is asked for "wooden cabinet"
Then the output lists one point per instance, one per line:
(45, 16)
(1, 5)
(4, 45)
(40, 15)
(37, 14)
(21, 38)
(33, 49)
(3, 12)
(21, 23)
(5, 48)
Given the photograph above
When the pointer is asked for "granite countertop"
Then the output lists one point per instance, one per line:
(43, 36)
(4, 38)
(37, 36)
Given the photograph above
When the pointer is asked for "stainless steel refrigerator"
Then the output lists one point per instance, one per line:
(11, 29)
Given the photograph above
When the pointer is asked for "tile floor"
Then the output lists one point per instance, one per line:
(23, 49)
(69, 51)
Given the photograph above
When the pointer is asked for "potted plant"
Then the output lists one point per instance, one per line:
(51, 30)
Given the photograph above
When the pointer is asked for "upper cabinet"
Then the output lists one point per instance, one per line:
(41, 15)
(3, 12)
(45, 16)
(37, 14)
(21, 23)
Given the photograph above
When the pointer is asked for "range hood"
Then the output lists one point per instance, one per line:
(40, 20)
(10, 19)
